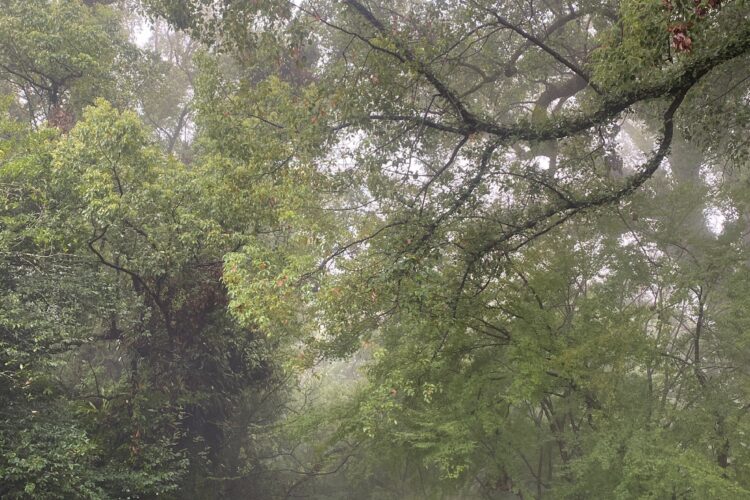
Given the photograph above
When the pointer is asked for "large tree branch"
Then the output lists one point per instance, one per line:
(565, 125)
(568, 207)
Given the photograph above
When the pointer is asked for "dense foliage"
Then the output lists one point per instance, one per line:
(374, 249)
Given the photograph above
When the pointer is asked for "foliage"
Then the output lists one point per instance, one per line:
(417, 249)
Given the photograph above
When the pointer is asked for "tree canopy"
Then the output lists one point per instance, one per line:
(375, 249)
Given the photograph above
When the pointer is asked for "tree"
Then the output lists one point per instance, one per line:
(58, 56)
(479, 152)
(115, 316)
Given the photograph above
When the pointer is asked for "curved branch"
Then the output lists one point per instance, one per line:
(565, 126)
(570, 207)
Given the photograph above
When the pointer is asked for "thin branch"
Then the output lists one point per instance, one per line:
(546, 48)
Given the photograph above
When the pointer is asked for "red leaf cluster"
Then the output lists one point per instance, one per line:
(702, 6)
(681, 41)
